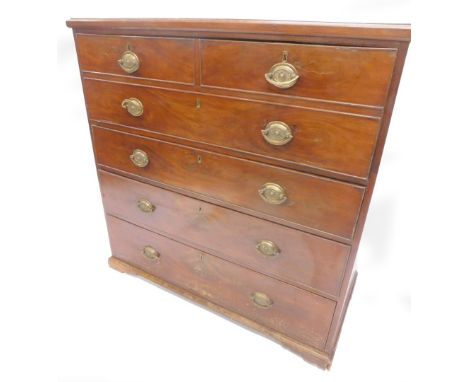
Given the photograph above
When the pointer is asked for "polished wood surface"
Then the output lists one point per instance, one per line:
(164, 59)
(305, 260)
(205, 101)
(201, 27)
(346, 74)
(303, 315)
(333, 142)
(308, 103)
(317, 203)
(308, 353)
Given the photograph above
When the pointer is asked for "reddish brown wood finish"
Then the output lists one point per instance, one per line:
(303, 315)
(329, 141)
(388, 41)
(317, 105)
(238, 28)
(350, 271)
(305, 260)
(164, 59)
(346, 74)
(308, 353)
(313, 202)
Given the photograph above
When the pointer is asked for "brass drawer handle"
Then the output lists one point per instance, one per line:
(273, 193)
(129, 62)
(277, 133)
(150, 253)
(133, 106)
(283, 75)
(139, 158)
(261, 300)
(268, 248)
(146, 206)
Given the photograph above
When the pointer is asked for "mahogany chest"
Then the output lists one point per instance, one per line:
(237, 159)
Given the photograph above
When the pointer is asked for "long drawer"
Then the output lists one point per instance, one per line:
(289, 135)
(299, 314)
(299, 258)
(357, 75)
(314, 203)
(164, 59)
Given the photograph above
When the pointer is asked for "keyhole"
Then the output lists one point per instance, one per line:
(199, 159)
(198, 103)
(285, 56)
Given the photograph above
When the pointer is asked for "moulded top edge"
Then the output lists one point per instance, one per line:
(396, 32)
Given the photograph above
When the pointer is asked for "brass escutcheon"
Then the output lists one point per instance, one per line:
(146, 206)
(273, 193)
(150, 253)
(139, 158)
(268, 248)
(261, 300)
(129, 62)
(283, 75)
(133, 105)
(277, 133)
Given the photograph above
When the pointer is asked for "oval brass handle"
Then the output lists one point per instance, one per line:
(283, 75)
(146, 206)
(277, 133)
(133, 106)
(273, 193)
(139, 158)
(150, 253)
(261, 300)
(129, 62)
(268, 248)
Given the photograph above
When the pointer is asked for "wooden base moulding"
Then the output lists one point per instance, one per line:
(308, 353)
(227, 142)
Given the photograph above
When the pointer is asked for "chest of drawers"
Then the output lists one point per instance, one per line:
(237, 159)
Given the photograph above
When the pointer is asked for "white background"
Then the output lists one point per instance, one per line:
(65, 316)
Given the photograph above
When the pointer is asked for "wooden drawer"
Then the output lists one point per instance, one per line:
(325, 140)
(312, 202)
(295, 312)
(190, 163)
(357, 75)
(308, 261)
(165, 59)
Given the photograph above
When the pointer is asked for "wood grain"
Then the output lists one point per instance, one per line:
(307, 261)
(308, 353)
(353, 74)
(164, 59)
(302, 315)
(383, 32)
(346, 74)
(333, 142)
(350, 270)
(314, 202)
(318, 105)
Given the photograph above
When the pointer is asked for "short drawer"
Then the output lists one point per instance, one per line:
(289, 196)
(299, 258)
(358, 75)
(285, 135)
(165, 59)
(299, 314)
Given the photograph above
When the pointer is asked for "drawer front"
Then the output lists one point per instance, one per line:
(336, 73)
(330, 141)
(300, 314)
(165, 59)
(310, 201)
(293, 256)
